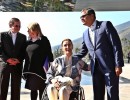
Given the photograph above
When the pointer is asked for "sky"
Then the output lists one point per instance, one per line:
(60, 25)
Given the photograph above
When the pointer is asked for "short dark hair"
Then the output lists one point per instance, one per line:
(90, 11)
(11, 22)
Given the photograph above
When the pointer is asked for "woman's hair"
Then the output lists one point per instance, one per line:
(34, 26)
(66, 40)
(12, 21)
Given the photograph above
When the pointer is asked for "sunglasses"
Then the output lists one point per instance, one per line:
(84, 16)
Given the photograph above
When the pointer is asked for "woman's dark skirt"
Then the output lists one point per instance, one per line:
(34, 82)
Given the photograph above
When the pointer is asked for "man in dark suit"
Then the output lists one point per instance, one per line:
(102, 42)
(13, 44)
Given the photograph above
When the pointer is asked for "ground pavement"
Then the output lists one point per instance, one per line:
(124, 87)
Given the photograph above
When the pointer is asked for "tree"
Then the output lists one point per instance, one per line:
(57, 52)
(125, 46)
(77, 50)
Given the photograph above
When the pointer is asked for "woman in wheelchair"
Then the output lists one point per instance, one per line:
(64, 75)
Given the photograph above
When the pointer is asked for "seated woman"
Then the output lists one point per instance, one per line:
(64, 75)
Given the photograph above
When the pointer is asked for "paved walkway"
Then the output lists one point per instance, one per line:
(124, 87)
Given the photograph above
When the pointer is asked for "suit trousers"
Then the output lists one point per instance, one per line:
(11, 75)
(108, 80)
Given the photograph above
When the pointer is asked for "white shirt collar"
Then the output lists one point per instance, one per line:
(14, 35)
(35, 39)
(93, 26)
(11, 33)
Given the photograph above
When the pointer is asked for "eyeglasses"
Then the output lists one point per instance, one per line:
(18, 26)
(84, 16)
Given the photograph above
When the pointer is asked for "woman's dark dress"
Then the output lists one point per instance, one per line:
(36, 53)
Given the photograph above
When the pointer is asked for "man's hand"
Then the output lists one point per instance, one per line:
(118, 70)
(13, 61)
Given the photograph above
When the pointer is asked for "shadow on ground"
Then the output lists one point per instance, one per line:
(124, 80)
(25, 93)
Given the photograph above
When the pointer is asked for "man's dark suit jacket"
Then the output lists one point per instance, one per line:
(13, 51)
(107, 48)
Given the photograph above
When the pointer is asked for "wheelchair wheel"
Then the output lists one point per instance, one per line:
(79, 95)
(44, 95)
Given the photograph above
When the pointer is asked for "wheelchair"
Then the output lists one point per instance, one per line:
(78, 95)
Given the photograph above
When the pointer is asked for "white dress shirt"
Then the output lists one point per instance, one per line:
(14, 35)
(92, 33)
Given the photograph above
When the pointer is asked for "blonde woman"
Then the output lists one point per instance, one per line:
(38, 49)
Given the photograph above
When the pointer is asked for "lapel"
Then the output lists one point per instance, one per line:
(17, 40)
(17, 44)
(74, 60)
(96, 31)
(62, 61)
(9, 38)
(88, 40)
